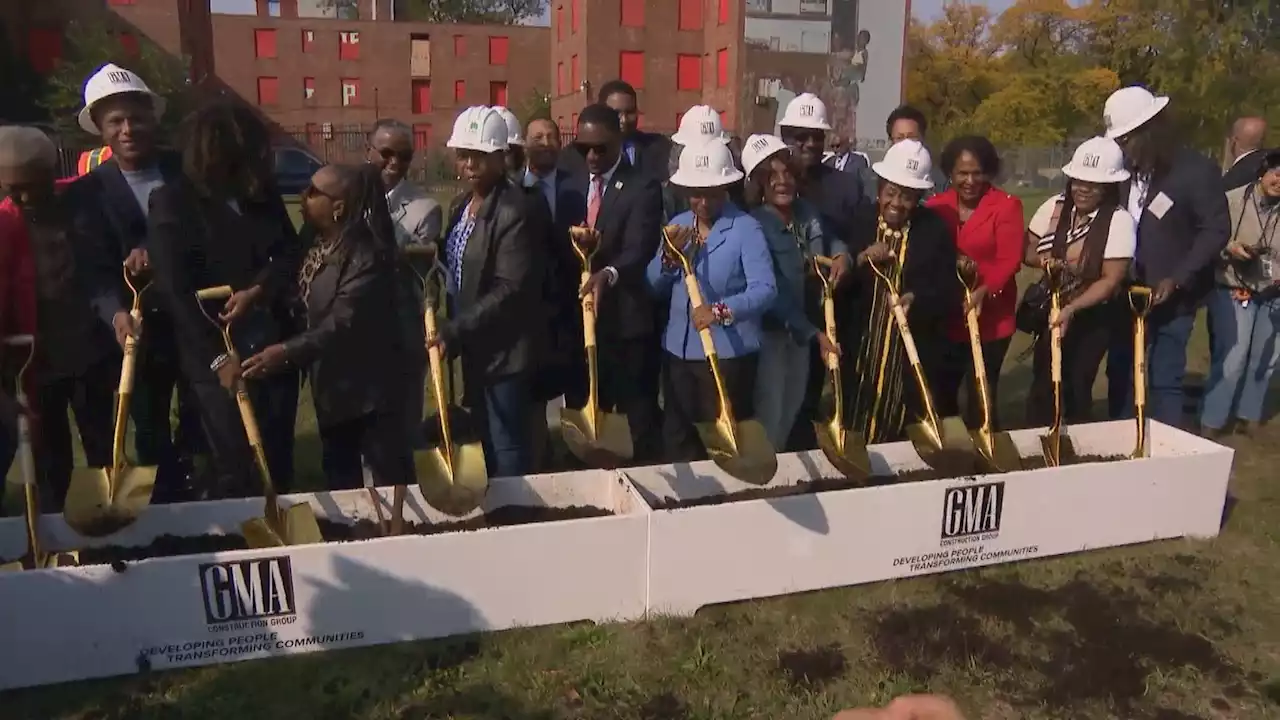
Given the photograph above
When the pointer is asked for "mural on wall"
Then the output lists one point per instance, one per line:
(848, 52)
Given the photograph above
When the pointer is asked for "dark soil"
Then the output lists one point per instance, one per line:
(841, 483)
(504, 516)
(812, 668)
(171, 545)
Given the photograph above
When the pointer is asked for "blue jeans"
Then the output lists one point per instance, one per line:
(503, 409)
(1167, 338)
(1243, 351)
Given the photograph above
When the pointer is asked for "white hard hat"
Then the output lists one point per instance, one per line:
(1129, 108)
(707, 165)
(908, 164)
(479, 128)
(111, 80)
(700, 124)
(760, 148)
(806, 111)
(515, 134)
(1098, 160)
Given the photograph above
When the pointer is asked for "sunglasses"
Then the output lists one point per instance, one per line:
(387, 154)
(585, 149)
(311, 191)
(802, 137)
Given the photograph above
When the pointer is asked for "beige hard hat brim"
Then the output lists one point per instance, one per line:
(86, 118)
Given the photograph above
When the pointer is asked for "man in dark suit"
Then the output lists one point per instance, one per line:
(649, 153)
(1245, 146)
(112, 205)
(625, 205)
(1176, 198)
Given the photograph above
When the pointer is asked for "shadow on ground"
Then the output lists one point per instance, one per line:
(1061, 648)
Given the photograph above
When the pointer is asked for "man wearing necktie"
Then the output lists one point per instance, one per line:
(625, 206)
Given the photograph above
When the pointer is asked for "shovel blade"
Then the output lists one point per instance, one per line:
(997, 452)
(14, 566)
(949, 449)
(300, 526)
(454, 488)
(1058, 449)
(258, 534)
(741, 449)
(91, 509)
(845, 449)
(605, 443)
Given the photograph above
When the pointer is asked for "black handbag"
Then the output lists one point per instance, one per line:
(1032, 315)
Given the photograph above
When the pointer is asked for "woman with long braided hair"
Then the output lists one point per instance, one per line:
(351, 347)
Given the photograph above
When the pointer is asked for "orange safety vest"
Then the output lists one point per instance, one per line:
(91, 159)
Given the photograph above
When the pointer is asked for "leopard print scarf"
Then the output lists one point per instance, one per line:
(315, 259)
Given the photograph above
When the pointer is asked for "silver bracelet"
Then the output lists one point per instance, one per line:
(219, 361)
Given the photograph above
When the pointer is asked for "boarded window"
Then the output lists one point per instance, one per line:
(44, 49)
(560, 80)
(421, 100)
(350, 92)
(575, 81)
(631, 67)
(573, 120)
(421, 136)
(498, 93)
(722, 16)
(577, 15)
(497, 51)
(308, 40)
(420, 56)
(308, 89)
(459, 45)
(688, 72)
(559, 23)
(348, 45)
(722, 67)
(264, 43)
(690, 14)
(268, 90)
(459, 91)
(632, 13)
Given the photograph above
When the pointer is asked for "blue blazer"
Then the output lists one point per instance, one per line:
(792, 266)
(733, 268)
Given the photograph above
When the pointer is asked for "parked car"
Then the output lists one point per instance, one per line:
(294, 168)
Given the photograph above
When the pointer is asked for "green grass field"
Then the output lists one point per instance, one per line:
(1173, 630)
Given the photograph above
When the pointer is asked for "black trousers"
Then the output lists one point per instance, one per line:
(955, 375)
(91, 397)
(378, 438)
(629, 378)
(157, 443)
(689, 396)
(275, 406)
(1083, 347)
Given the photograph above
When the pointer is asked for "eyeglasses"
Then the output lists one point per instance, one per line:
(387, 154)
(311, 191)
(802, 137)
(585, 149)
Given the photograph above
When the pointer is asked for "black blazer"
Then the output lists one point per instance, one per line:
(1185, 243)
(498, 319)
(1245, 171)
(562, 270)
(630, 225)
(352, 347)
(839, 197)
(197, 243)
(653, 156)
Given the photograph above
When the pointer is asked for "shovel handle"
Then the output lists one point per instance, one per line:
(221, 292)
(436, 361)
(696, 301)
(829, 319)
(1140, 362)
(1055, 348)
(908, 341)
(588, 316)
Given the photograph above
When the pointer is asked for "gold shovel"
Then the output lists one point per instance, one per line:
(34, 558)
(845, 448)
(294, 525)
(101, 501)
(943, 443)
(453, 478)
(1056, 443)
(740, 448)
(1140, 303)
(996, 450)
(600, 439)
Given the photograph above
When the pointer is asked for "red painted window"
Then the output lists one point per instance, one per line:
(574, 119)
(688, 72)
(308, 89)
(632, 12)
(350, 91)
(498, 93)
(308, 39)
(497, 51)
(560, 83)
(459, 91)
(559, 23)
(421, 136)
(631, 67)
(348, 45)
(722, 67)
(690, 14)
(574, 80)
(459, 45)
(722, 16)
(576, 12)
(268, 90)
(44, 49)
(421, 100)
(264, 43)
(129, 43)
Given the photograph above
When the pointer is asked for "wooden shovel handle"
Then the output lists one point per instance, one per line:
(247, 417)
(588, 315)
(221, 292)
(696, 301)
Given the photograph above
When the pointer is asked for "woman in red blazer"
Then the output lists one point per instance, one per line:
(988, 226)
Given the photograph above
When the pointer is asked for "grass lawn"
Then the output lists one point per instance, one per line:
(1167, 631)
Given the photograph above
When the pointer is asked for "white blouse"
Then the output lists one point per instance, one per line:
(1122, 236)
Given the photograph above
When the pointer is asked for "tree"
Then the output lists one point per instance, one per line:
(535, 106)
(88, 47)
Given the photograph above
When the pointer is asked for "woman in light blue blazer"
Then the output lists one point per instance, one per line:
(730, 258)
